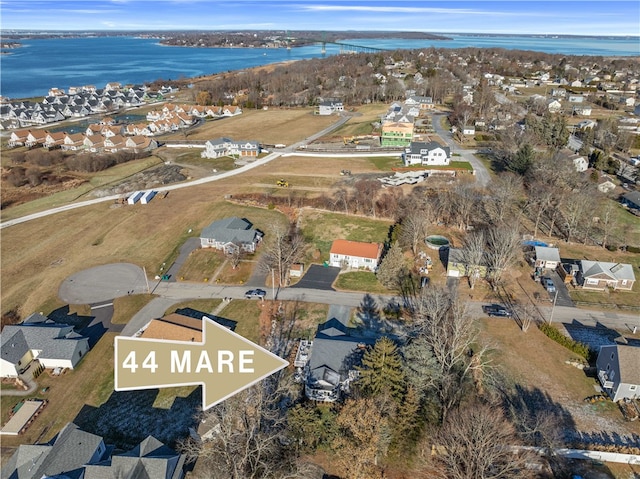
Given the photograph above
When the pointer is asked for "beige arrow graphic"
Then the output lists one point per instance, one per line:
(224, 363)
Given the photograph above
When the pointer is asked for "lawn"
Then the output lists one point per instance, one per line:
(386, 163)
(361, 123)
(536, 365)
(202, 305)
(202, 263)
(360, 281)
(320, 229)
(125, 307)
(240, 275)
(247, 313)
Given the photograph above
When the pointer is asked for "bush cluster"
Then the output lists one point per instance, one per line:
(577, 347)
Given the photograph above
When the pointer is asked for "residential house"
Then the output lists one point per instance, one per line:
(74, 453)
(432, 153)
(423, 102)
(554, 106)
(94, 143)
(53, 140)
(36, 137)
(584, 110)
(619, 371)
(355, 254)
(458, 266)
(114, 143)
(468, 130)
(18, 138)
(226, 147)
(331, 359)
(63, 457)
(576, 98)
(51, 344)
(231, 234)
(73, 142)
(631, 200)
(601, 275)
(547, 258)
(139, 143)
(580, 163)
(396, 134)
(329, 107)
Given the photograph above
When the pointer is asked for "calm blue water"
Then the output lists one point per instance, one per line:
(44, 63)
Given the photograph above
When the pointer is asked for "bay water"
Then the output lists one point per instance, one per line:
(40, 64)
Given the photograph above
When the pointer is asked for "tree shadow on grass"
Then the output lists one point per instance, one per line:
(128, 417)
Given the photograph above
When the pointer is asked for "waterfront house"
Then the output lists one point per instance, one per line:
(618, 371)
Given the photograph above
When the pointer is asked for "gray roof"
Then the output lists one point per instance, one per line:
(629, 361)
(417, 146)
(151, 459)
(67, 453)
(230, 230)
(616, 271)
(632, 197)
(336, 349)
(545, 253)
(53, 340)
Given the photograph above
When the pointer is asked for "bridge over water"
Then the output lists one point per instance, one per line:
(350, 48)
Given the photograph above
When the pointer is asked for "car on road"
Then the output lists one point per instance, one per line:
(496, 310)
(255, 294)
(548, 285)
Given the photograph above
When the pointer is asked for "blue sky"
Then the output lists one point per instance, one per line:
(575, 17)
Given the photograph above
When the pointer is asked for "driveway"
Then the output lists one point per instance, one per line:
(564, 299)
(318, 277)
(185, 250)
(103, 283)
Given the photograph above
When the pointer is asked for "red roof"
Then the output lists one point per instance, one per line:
(356, 248)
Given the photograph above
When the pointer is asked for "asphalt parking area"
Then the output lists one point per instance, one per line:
(564, 299)
(103, 283)
(319, 277)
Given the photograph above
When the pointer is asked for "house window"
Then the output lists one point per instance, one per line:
(633, 387)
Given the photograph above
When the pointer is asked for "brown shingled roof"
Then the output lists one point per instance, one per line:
(356, 248)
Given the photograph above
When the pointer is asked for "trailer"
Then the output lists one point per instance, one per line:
(134, 197)
(148, 196)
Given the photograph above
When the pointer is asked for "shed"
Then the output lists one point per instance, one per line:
(547, 258)
(134, 197)
(147, 197)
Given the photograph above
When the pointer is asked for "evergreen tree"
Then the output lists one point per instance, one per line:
(392, 269)
(381, 370)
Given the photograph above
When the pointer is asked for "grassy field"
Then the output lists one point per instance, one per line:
(201, 264)
(360, 281)
(270, 126)
(320, 229)
(361, 124)
(125, 307)
(247, 313)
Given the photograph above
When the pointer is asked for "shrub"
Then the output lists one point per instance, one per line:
(577, 347)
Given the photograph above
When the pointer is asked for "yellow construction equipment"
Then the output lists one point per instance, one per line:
(283, 183)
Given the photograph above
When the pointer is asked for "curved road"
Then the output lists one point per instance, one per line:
(262, 161)
(482, 174)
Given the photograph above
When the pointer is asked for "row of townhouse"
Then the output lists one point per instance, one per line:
(94, 142)
(78, 103)
(170, 110)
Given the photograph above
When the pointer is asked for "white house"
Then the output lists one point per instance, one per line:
(432, 153)
(328, 107)
(226, 146)
(52, 344)
(547, 258)
(355, 254)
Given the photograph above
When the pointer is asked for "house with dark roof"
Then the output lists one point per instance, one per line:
(431, 153)
(355, 254)
(332, 356)
(602, 275)
(631, 200)
(618, 371)
(77, 454)
(51, 344)
(63, 457)
(230, 235)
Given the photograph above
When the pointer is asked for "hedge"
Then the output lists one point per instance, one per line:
(577, 347)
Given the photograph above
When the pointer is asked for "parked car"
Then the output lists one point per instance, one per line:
(548, 285)
(255, 293)
(496, 310)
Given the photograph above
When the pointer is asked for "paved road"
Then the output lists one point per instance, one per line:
(482, 174)
(220, 176)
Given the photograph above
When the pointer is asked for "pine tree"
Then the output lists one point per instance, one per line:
(381, 371)
(392, 269)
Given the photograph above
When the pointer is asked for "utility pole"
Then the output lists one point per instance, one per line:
(555, 298)
(146, 279)
(273, 285)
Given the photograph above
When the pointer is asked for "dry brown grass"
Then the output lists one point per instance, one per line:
(270, 126)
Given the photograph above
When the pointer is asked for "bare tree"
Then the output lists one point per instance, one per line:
(607, 221)
(473, 255)
(503, 247)
(478, 442)
(505, 194)
(235, 257)
(284, 247)
(413, 230)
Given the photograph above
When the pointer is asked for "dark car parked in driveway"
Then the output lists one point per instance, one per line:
(255, 293)
(496, 310)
